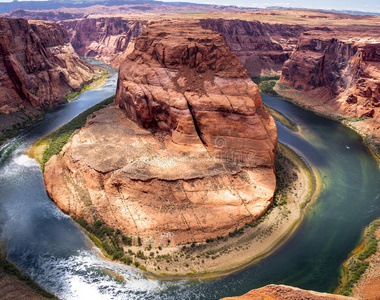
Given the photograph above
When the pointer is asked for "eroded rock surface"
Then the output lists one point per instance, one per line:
(189, 153)
(187, 81)
(261, 48)
(38, 68)
(339, 72)
(282, 292)
(109, 39)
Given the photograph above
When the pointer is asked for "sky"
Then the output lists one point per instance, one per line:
(360, 5)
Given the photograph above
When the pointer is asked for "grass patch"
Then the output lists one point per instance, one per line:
(109, 240)
(11, 270)
(261, 79)
(266, 87)
(59, 138)
(356, 265)
(72, 95)
(281, 118)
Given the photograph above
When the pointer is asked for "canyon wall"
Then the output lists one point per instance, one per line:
(187, 154)
(109, 39)
(337, 73)
(38, 68)
(261, 48)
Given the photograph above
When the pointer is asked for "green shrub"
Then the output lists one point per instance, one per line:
(266, 87)
(357, 264)
(261, 79)
(140, 254)
(108, 239)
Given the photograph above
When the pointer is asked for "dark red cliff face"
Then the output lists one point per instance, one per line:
(38, 68)
(261, 48)
(108, 39)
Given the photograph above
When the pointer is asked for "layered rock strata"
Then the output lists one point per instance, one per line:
(261, 48)
(186, 81)
(282, 292)
(338, 72)
(187, 155)
(38, 68)
(109, 39)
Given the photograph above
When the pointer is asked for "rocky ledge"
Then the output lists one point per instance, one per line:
(282, 292)
(187, 154)
(38, 68)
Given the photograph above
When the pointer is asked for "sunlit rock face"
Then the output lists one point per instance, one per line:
(339, 71)
(186, 154)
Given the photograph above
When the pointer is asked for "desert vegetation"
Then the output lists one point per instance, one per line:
(357, 264)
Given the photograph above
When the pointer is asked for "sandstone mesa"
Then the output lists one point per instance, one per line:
(189, 153)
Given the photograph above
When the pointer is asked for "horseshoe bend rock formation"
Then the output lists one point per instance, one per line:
(187, 154)
(38, 68)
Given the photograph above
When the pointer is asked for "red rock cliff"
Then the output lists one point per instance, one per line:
(187, 81)
(193, 160)
(109, 39)
(261, 48)
(339, 72)
(38, 68)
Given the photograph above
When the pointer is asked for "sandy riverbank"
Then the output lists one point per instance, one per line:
(247, 245)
